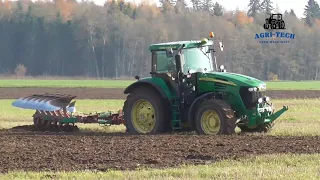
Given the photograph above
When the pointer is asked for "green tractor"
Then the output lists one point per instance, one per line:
(187, 91)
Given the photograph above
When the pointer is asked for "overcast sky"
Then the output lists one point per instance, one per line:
(296, 5)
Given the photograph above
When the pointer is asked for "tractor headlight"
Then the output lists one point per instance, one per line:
(253, 89)
(262, 87)
(260, 100)
(266, 99)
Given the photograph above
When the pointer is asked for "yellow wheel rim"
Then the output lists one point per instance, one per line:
(143, 116)
(210, 122)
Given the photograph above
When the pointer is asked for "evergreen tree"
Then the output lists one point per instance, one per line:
(311, 11)
(180, 6)
(266, 6)
(254, 8)
(217, 9)
(196, 5)
(166, 5)
(292, 13)
(207, 5)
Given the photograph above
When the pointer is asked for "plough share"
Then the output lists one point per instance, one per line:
(56, 112)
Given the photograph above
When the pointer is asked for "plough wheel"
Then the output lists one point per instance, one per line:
(146, 112)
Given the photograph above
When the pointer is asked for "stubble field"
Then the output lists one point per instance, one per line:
(290, 151)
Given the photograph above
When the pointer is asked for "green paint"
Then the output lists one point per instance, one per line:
(177, 44)
(63, 120)
(212, 81)
(158, 82)
(230, 83)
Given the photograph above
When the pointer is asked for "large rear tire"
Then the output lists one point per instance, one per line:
(146, 112)
(214, 117)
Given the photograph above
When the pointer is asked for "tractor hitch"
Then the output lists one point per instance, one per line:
(275, 115)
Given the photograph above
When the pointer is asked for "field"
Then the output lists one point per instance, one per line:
(290, 151)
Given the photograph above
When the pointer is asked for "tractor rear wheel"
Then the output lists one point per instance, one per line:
(215, 117)
(146, 112)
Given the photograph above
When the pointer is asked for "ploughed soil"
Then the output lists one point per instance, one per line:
(22, 149)
(117, 93)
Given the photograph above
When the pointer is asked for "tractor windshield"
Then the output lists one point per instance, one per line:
(197, 59)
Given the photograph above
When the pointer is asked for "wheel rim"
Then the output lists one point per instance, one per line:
(210, 122)
(143, 116)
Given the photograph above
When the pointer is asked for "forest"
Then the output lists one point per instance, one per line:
(70, 38)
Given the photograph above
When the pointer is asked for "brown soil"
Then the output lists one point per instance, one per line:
(25, 150)
(117, 93)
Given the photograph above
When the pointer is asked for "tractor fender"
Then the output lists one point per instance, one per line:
(193, 105)
(143, 82)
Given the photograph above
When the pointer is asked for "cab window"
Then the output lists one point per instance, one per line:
(164, 63)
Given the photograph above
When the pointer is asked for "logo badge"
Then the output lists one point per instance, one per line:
(273, 25)
(275, 21)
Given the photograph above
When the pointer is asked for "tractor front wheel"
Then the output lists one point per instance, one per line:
(146, 112)
(215, 117)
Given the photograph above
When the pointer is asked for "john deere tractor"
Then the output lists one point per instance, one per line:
(187, 91)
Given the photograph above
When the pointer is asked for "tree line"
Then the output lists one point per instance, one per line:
(70, 38)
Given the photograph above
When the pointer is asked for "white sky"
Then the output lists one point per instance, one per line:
(296, 5)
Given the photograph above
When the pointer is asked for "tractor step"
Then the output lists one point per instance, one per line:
(176, 122)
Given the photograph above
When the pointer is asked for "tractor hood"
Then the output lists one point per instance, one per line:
(232, 79)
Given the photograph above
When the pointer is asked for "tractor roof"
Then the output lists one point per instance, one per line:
(177, 44)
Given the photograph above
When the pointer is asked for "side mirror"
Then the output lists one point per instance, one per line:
(179, 65)
(169, 52)
(221, 46)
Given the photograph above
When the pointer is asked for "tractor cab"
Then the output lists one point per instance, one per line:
(195, 56)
